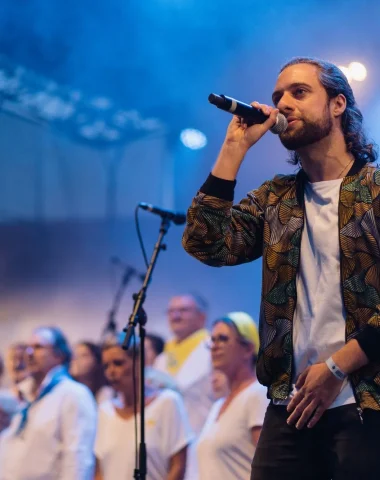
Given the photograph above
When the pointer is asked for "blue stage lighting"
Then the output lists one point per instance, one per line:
(193, 139)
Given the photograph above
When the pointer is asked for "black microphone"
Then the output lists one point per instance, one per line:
(251, 115)
(129, 270)
(176, 217)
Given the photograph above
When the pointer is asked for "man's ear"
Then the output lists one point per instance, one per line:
(338, 105)
(58, 355)
(202, 319)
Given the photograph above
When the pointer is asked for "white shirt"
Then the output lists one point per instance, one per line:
(225, 449)
(319, 320)
(57, 441)
(104, 393)
(194, 382)
(167, 431)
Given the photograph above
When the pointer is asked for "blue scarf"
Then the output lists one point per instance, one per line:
(55, 379)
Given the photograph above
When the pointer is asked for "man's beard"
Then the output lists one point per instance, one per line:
(309, 133)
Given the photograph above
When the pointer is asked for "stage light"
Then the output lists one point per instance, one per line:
(193, 139)
(347, 72)
(358, 71)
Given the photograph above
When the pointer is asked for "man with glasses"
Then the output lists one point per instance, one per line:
(186, 356)
(53, 434)
(187, 359)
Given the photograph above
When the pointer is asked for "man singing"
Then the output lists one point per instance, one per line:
(317, 232)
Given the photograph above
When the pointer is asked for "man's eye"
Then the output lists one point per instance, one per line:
(300, 91)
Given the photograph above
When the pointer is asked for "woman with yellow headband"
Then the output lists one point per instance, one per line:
(228, 441)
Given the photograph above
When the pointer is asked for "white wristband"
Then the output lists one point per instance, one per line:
(335, 370)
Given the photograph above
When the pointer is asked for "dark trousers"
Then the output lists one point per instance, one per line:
(338, 447)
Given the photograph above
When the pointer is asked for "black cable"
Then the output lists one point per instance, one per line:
(140, 237)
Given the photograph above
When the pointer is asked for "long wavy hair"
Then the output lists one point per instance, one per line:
(335, 82)
(98, 378)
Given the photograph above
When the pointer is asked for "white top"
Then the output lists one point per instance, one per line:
(194, 382)
(105, 393)
(167, 431)
(225, 449)
(57, 442)
(319, 320)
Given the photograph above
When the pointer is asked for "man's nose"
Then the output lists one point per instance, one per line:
(285, 103)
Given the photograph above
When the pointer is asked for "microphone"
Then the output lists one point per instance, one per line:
(176, 217)
(251, 115)
(129, 270)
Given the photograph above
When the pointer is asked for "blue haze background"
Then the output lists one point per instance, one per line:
(67, 202)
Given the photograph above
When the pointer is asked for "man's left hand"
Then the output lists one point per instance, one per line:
(317, 389)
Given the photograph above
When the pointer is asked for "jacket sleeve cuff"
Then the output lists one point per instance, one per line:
(219, 188)
(369, 341)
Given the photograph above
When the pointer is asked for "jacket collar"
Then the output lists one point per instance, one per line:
(302, 178)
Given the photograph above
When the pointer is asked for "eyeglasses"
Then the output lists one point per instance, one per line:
(222, 340)
(170, 311)
(36, 347)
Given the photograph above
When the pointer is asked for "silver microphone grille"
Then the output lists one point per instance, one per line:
(281, 124)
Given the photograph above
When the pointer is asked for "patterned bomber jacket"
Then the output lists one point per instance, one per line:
(269, 223)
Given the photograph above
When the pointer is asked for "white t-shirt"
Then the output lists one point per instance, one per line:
(193, 380)
(167, 431)
(104, 394)
(58, 439)
(319, 320)
(225, 449)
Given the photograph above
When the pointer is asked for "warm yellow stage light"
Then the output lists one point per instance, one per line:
(358, 71)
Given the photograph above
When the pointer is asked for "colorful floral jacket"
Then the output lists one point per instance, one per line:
(269, 223)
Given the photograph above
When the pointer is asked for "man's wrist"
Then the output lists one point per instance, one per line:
(351, 357)
(335, 370)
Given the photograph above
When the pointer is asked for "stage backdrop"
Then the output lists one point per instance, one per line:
(61, 273)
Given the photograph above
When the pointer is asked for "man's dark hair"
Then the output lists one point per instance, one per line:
(157, 343)
(335, 82)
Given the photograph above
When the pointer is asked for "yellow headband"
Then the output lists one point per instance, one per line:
(246, 327)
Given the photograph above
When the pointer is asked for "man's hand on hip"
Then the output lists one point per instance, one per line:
(317, 389)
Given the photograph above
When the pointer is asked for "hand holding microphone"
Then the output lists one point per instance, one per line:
(250, 122)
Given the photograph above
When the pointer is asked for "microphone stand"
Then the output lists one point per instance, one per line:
(110, 327)
(139, 317)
